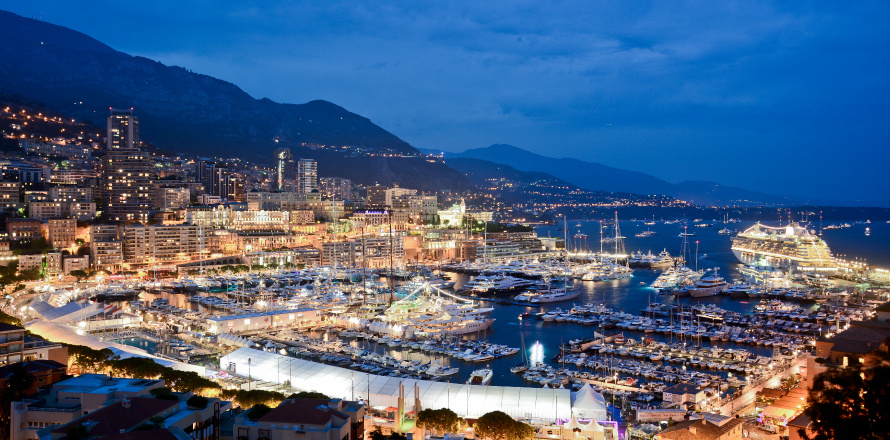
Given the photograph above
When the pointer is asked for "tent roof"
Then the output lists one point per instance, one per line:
(53, 331)
(588, 400)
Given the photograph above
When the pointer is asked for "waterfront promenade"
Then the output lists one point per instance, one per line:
(748, 395)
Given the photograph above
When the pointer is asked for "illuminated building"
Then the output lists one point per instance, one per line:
(284, 168)
(123, 131)
(307, 176)
(126, 185)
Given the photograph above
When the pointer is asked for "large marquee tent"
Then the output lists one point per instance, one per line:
(465, 400)
(53, 331)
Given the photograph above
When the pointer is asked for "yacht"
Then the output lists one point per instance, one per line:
(676, 276)
(551, 296)
(489, 285)
(710, 285)
(481, 377)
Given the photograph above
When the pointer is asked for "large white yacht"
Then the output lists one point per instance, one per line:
(488, 285)
(789, 247)
(710, 285)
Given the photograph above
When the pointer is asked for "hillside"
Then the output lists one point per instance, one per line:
(178, 109)
(195, 114)
(598, 177)
(541, 192)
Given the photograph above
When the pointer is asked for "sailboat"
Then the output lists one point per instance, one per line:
(519, 368)
(725, 230)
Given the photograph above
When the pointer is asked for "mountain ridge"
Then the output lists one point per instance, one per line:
(187, 112)
(178, 108)
(598, 177)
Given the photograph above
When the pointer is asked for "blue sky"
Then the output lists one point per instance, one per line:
(783, 97)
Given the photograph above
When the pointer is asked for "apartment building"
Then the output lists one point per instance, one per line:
(162, 244)
(61, 232)
(307, 419)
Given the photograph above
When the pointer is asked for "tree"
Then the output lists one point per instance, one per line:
(79, 274)
(247, 399)
(163, 393)
(88, 359)
(308, 395)
(377, 434)
(849, 403)
(140, 367)
(257, 411)
(497, 425)
(197, 402)
(441, 420)
(187, 381)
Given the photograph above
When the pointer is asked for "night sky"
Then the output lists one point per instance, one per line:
(789, 98)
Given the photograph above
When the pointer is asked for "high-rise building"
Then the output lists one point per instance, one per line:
(337, 188)
(123, 130)
(284, 168)
(307, 176)
(126, 185)
(376, 197)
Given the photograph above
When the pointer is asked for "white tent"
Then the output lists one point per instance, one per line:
(465, 400)
(588, 404)
(56, 332)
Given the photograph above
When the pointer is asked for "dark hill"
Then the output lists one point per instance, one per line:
(598, 177)
(178, 109)
(196, 114)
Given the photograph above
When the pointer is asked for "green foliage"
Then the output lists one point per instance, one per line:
(308, 395)
(258, 411)
(89, 360)
(94, 361)
(163, 393)
(246, 399)
(440, 421)
(497, 425)
(187, 381)
(9, 319)
(197, 402)
(33, 247)
(850, 403)
(79, 274)
(377, 434)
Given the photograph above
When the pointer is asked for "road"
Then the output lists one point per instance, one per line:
(742, 402)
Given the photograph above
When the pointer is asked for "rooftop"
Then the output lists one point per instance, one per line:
(699, 430)
(152, 434)
(683, 388)
(861, 338)
(111, 419)
(303, 412)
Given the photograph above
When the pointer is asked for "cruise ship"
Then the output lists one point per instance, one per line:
(789, 247)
